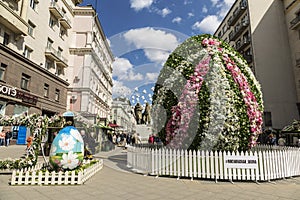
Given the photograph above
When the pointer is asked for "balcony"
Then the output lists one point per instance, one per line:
(65, 22)
(238, 30)
(56, 56)
(12, 20)
(55, 10)
(295, 23)
(236, 14)
(244, 43)
(63, 62)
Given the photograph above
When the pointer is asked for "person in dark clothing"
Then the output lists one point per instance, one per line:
(8, 136)
(271, 139)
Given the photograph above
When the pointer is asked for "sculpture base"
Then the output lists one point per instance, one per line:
(144, 131)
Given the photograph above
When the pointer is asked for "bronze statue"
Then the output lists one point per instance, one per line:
(146, 114)
(138, 113)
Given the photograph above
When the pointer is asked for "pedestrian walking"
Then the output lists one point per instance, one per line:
(8, 136)
(2, 138)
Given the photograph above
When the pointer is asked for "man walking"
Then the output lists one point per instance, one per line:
(7, 138)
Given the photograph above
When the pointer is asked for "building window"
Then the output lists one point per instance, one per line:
(49, 43)
(33, 4)
(6, 39)
(59, 52)
(25, 81)
(224, 29)
(46, 90)
(30, 28)
(27, 52)
(57, 93)
(62, 32)
(49, 64)
(59, 70)
(220, 34)
(2, 71)
(20, 109)
(52, 22)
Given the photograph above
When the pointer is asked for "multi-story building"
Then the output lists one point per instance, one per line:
(122, 114)
(24, 33)
(54, 56)
(90, 67)
(258, 30)
(292, 14)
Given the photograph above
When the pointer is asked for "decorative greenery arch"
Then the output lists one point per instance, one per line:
(39, 126)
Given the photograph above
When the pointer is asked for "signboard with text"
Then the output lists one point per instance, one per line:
(240, 162)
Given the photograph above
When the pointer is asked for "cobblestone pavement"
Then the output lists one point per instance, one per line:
(115, 181)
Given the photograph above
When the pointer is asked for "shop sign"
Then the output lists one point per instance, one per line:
(26, 97)
(240, 162)
(10, 91)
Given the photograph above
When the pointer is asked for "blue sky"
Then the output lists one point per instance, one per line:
(142, 33)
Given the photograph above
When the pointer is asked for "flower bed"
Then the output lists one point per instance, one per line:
(35, 176)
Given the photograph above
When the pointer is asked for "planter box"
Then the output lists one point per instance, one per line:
(38, 177)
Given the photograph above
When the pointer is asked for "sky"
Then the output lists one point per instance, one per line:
(142, 34)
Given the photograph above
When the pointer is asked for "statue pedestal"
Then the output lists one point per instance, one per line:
(144, 131)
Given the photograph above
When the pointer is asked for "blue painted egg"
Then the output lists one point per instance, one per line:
(67, 149)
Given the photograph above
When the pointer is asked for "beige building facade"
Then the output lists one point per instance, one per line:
(90, 67)
(42, 46)
(23, 58)
(258, 30)
(122, 115)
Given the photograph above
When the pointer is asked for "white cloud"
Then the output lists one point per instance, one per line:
(204, 9)
(177, 20)
(121, 66)
(138, 5)
(153, 42)
(151, 76)
(156, 55)
(229, 2)
(131, 76)
(164, 12)
(190, 15)
(123, 70)
(187, 2)
(225, 6)
(211, 22)
(119, 89)
(214, 2)
(208, 25)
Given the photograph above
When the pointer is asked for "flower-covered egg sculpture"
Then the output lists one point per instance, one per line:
(67, 149)
(207, 97)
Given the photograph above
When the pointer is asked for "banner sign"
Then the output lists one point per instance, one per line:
(240, 162)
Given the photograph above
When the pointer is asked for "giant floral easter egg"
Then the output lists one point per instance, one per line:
(67, 149)
(207, 97)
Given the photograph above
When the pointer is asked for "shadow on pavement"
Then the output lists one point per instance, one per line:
(120, 161)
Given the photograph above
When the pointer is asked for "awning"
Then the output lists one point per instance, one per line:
(113, 125)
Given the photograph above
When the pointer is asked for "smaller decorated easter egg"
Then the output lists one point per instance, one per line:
(67, 149)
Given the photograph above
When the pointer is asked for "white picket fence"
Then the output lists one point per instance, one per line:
(271, 164)
(34, 176)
